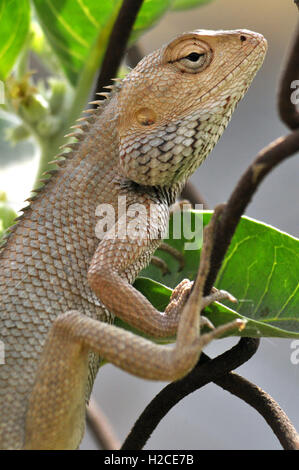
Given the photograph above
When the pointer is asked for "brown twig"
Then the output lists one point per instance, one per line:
(204, 372)
(216, 370)
(286, 108)
(134, 55)
(117, 42)
(192, 194)
(265, 405)
(100, 427)
(267, 159)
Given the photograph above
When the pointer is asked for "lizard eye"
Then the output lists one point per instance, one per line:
(194, 56)
(194, 62)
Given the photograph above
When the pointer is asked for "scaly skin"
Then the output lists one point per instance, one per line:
(149, 136)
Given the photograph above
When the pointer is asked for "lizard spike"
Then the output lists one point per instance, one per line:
(76, 135)
(98, 102)
(55, 162)
(38, 190)
(76, 126)
(43, 180)
(60, 163)
(65, 146)
(71, 134)
(79, 136)
(19, 217)
(64, 155)
(105, 95)
(84, 127)
(51, 172)
(81, 119)
(71, 146)
(89, 111)
(31, 198)
(26, 208)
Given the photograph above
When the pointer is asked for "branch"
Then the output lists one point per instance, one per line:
(100, 427)
(118, 42)
(134, 55)
(287, 110)
(192, 194)
(204, 372)
(216, 370)
(263, 404)
(267, 159)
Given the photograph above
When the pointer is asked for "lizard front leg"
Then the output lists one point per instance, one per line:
(55, 418)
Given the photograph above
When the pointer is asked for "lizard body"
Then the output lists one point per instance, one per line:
(142, 143)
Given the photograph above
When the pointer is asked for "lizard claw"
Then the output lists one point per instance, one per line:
(204, 321)
(217, 295)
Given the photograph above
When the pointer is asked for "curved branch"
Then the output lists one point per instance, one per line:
(100, 427)
(263, 404)
(204, 372)
(218, 371)
(267, 159)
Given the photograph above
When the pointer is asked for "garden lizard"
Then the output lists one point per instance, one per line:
(62, 284)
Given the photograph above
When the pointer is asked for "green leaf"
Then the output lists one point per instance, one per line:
(7, 217)
(261, 269)
(14, 24)
(151, 11)
(74, 27)
(185, 4)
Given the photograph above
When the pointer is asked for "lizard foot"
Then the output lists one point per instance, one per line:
(181, 294)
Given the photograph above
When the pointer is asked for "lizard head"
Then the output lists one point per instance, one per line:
(176, 103)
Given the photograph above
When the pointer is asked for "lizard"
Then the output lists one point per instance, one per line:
(61, 286)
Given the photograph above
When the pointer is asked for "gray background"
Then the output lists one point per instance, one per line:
(211, 418)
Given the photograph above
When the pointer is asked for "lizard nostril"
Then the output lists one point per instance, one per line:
(243, 38)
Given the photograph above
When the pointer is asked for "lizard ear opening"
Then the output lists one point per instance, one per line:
(145, 116)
